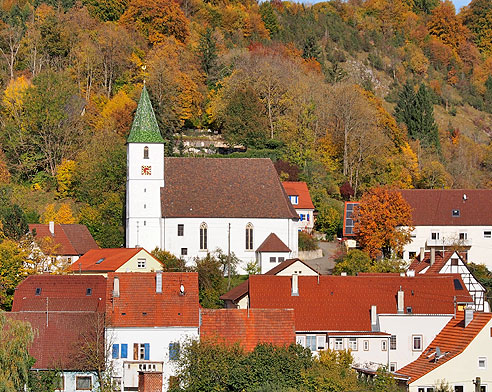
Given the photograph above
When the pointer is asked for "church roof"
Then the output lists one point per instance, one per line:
(223, 188)
(144, 128)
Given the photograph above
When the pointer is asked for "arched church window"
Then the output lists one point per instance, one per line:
(203, 236)
(249, 236)
(146, 152)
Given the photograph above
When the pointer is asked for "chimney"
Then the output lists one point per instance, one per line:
(468, 315)
(343, 274)
(401, 301)
(116, 287)
(158, 282)
(422, 254)
(51, 226)
(374, 317)
(295, 285)
(433, 256)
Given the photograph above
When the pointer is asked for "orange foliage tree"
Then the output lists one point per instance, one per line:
(382, 222)
(446, 25)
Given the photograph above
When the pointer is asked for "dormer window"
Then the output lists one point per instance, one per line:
(294, 199)
(38, 291)
(456, 213)
(146, 152)
(88, 291)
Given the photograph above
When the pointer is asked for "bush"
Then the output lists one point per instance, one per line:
(307, 242)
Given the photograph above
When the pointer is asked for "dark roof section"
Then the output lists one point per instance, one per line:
(223, 188)
(61, 293)
(248, 327)
(73, 239)
(236, 293)
(434, 207)
(273, 244)
(285, 264)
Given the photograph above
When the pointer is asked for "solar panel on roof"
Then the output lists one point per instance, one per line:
(457, 284)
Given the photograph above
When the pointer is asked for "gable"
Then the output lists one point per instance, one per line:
(134, 264)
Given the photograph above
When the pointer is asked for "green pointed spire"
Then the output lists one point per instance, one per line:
(144, 127)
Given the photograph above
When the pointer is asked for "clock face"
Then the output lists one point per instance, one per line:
(146, 170)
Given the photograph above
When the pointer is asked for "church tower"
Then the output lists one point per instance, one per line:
(145, 177)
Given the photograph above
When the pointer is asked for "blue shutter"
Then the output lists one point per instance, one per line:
(116, 351)
(147, 351)
(173, 351)
(308, 217)
(124, 350)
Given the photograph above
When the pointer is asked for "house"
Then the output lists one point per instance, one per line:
(191, 206)
(300, 198)
(385, 319)
(459, 355)
(451, 262)
(68, 242)
(445, 219)
(237, 297)
(102, 261)
(67, 314)
(248, 327)
(150, 315)
(271, 252)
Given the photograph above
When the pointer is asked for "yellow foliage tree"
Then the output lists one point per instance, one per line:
(63, 215)
(64, 176)
(117, 114)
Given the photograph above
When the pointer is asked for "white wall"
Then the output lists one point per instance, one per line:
(306, 225)
(158, 339)
(297, 268)
(462, 369)
(266, 265)
(69, 381)
(480, 248)
(217, 234)
(404, 326)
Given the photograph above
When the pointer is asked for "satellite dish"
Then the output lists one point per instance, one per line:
(181, 290)
(438, 352)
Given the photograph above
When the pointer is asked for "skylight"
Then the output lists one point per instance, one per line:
(100, 260)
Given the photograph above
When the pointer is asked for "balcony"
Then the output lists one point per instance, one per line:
(448, 242)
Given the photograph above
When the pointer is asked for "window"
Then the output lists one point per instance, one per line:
(425, 389)
(320, 342)
(173, 351)
(273, 259)
(454, 261)
(124, 350)
(249, 236)
(83, 383)
(393, 342)
(393, 367)
(434, 235)
(281, 260)
(456, 213)
(338, 344)
(366, 345)
(411, 255)
(181, 229)
(352, 344)
(482, 363)
(311, 342)
(38, 290)
(483, 388)
(146, 152)
(141, 263)
(116, 351)
(141, 351)
(384, 345)
(417, 342)
(301, 217)
(307, 217)
(203, 236)
(459, 388)
(294, 199)
(184, 251)
(301, 340)
(463, 236)
(487, 234)
(409, 309)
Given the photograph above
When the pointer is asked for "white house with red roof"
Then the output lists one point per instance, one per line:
(300, 198)
(102, 261)
(451, 262)
(271, 253)
(459, 355)
(385, 319)
(150, 315)
(191, 206)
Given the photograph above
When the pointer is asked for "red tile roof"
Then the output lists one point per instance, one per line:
(418, 266)
(73, 240)
(285, 264)
(248, 327)
(343, 303)
(59, 336)
(61, 293)
(223, 187)
(453, 339)
(138, 304)
(113, 258)
(236, 293)
(434, 207)
(300, 189)
(273, 244)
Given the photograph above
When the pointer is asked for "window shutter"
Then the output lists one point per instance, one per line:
(147, 351)
(301, 340)
(124, 350)
(116, 351)
(135, 351)
(320, 342)
(173, 351)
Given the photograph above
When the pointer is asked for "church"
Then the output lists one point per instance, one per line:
(191, 206)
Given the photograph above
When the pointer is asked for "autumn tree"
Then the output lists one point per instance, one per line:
(477, 16)
(382, 222)
(446, 25)
(12, 271)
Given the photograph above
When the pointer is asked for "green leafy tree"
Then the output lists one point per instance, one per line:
(44, 381)
(15, 361)
(107, 10)
(269, 18)
(207, 50)
(353, 262)
(170, 263)
(311, 49)
(487, 97)
(210, 281)
(424, 6)
(383, 382)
